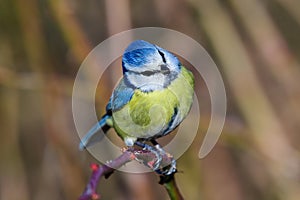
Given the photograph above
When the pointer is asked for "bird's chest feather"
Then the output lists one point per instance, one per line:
(153, 114)
(146, 114)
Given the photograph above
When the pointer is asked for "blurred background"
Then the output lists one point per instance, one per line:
(255, 44)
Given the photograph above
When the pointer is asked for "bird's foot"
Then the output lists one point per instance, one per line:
(171, 168)
(159, 154)
(155, 165)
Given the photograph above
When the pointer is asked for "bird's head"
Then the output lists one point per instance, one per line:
(142, 57)
(149, 67)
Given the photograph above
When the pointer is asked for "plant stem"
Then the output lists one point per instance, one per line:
(170, 185)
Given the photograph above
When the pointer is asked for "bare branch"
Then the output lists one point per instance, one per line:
(143, 156)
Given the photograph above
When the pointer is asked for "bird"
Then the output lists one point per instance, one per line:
(152, 98)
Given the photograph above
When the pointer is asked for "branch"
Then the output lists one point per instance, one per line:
(171, 187)
(143, 156)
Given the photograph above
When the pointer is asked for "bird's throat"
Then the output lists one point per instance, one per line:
(148, 83)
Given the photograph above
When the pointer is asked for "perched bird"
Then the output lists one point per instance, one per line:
(153, 97)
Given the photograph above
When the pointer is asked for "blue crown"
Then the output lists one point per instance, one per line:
(139, 53)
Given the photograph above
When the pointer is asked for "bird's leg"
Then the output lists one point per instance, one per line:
(172, 169)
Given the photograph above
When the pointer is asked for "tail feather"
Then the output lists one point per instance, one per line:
(92, 135)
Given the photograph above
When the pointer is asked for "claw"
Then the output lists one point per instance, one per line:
(156, 151)
(159, 152)
(157, 163)
(172, 168)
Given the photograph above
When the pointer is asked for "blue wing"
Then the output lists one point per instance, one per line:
(121, 96)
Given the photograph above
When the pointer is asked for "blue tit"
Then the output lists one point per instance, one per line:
(153, 97)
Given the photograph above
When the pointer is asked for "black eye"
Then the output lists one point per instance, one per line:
(164, 69)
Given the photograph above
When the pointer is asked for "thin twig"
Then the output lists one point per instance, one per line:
(146, 157)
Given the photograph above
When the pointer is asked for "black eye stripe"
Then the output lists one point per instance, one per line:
(148, 73)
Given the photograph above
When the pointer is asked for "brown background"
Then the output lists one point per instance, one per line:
(255, 44)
